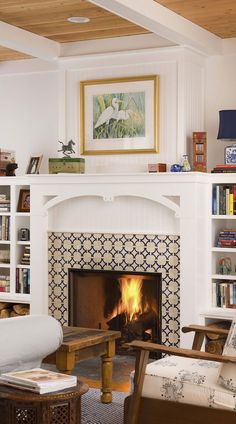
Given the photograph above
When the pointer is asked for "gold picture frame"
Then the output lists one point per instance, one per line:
(119, 116)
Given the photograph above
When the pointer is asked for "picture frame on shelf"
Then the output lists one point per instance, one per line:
(119, 115)
(34, 165)
(24, 201)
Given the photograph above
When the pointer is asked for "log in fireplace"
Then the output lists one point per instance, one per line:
(129, 302)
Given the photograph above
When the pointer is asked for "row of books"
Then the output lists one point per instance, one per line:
(224, 200)
(4, 227)
(38, 380)
(4, 283)
(224, 168)
(227, 238)
(22, 280)
(224, 294)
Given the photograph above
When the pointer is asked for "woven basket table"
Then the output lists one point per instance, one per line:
(19, 406)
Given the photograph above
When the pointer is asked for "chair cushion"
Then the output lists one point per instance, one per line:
(187, 380)
(227, 372)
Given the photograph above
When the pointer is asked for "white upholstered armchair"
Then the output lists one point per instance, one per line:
(188, 387)
(26, 340)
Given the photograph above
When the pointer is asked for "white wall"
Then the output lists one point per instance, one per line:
(180, 108)
(220, 94)
(39, 104)
(29, 115)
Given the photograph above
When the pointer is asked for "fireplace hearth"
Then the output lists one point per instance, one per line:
(129, 302)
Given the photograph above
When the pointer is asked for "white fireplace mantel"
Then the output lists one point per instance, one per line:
(136, 203)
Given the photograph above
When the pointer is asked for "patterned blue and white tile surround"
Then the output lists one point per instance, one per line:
(128, 252)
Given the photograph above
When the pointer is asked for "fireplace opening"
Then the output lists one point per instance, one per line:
(129, 302)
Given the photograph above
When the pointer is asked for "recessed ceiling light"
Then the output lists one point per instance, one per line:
(78, 19)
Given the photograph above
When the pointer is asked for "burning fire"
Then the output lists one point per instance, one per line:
(131, 297)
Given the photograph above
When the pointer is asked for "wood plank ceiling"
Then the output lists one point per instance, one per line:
(48, 18)
(216, 16)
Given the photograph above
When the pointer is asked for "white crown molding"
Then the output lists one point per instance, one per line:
(26, 42)
(163, 22)
(116, 44)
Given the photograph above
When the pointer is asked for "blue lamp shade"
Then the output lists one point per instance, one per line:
(227, 126)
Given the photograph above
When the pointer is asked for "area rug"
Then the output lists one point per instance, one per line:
(95, 412)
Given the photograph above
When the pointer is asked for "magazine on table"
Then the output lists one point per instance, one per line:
(38, 380)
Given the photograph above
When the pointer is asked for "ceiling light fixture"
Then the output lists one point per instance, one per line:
(78, 19)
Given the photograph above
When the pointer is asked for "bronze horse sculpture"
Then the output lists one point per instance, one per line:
(67, 149)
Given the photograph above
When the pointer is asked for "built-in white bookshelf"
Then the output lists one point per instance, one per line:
(222, 255)
(11, 247)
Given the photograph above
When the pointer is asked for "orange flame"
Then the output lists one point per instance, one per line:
(131, 297)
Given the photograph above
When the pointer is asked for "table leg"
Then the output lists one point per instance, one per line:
(65, 361)
(106, 396)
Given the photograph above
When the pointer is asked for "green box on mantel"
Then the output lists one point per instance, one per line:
(66, 165)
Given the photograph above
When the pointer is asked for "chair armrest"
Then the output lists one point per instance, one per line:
(205, 330)
(187, 353)
(200, 332)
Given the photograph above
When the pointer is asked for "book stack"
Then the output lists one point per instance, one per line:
(25, 260)
(4, 283)
(227, 238)
(22, 280)
(38, 380)
(224, 200)
(224, 294)
(224, 168)
(4, 203)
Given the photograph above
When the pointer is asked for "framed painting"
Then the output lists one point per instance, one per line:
(119, 116)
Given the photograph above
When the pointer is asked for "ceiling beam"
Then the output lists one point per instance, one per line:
(26, 42)
(163, 22)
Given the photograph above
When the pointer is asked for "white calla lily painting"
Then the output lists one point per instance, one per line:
(119, 115)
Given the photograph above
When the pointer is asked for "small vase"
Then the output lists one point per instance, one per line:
(185, 164)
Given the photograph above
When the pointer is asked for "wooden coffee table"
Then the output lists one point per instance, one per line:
(84, 343)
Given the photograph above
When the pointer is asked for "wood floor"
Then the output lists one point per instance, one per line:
(116, 387)
(89, 372)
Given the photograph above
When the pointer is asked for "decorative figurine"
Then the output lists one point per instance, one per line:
(67, 149)
(10, 169)
(225, 266)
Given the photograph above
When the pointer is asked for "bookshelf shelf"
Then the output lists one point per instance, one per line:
(15, 297)
(223, 249)
(224, 277)
(21, 266)
(223, 217)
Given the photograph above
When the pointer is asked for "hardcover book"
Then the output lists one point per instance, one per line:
(39, 380)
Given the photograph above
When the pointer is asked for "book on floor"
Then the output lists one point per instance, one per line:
(38, 380)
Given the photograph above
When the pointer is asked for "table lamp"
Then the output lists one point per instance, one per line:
(227, 131)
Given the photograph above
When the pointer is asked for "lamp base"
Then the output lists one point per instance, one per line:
(230, 154)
